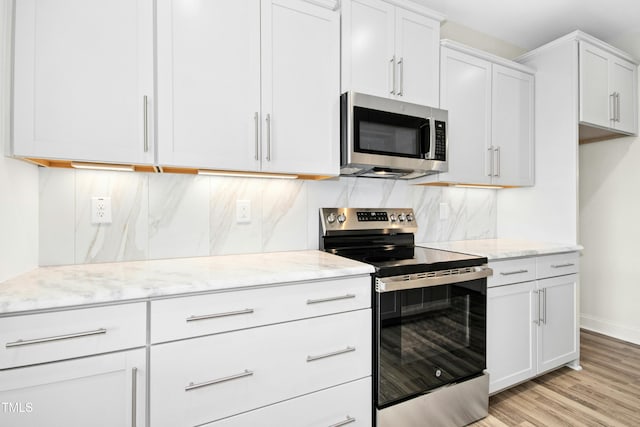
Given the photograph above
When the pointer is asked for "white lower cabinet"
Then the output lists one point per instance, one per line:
(346, 404)
(106, 390)
(204, 379)
(532, 326)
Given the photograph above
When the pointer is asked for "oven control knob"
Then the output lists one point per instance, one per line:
(393, 218)
(402, 217)
(342, 218)
(409, 217)
(331, 218)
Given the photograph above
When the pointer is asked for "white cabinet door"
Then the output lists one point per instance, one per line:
(417, 44)
(512, 126)
(595, 102)
(511, 334)
(623, 82)
(558, 331)
(209, 84)
(465, 91)
(368, 47)
(106, 391)
(83, 80)
(300, 87)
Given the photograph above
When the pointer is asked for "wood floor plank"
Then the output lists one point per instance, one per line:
(605, 393)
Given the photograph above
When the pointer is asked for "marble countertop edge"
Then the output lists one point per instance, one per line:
(498, 249)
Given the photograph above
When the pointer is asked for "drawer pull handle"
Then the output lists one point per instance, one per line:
(192, 386)
(319, 300)
(333, 353)
(510, 273)
(56, 338)
(349, 420)
(216, 315)
(569, 264)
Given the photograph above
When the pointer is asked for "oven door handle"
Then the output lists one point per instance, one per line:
(436, 278)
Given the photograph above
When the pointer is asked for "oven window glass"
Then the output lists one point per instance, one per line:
(379, 132)
(429, 337)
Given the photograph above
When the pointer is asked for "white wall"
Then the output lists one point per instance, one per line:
(164, 216)
(470, 37)
(610, 230)
(18, 180)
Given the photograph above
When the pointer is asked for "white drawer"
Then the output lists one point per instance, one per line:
(557, 264)
(45, 337)
(205, 379)
(345, 403)
(512, 271)
(185, 317)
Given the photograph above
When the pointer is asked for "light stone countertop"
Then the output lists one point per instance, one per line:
(64, 286)
(496, 249)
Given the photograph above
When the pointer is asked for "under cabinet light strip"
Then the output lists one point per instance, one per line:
(245, 174)
(102, 166)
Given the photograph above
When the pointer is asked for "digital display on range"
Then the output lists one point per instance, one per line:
(372, 216)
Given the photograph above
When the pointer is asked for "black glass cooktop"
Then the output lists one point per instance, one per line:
(399, 260)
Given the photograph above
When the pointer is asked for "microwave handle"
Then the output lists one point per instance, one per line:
(432, 139)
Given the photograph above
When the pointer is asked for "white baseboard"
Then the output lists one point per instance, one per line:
(606, 327)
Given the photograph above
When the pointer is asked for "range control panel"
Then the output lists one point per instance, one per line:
(335, 220)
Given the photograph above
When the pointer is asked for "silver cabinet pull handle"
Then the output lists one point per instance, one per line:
(490, 169)
(333, 353)
(401, 84)
(497, 163)
(612, 107)
(544, 309)
(192, 386)
(145, 114)
(510, 273)
(569, 264)
(217, 315)
(56, 338)
(537, 320)
(257, 134)
(319, 300)
(268, 119)
(618, 106)
(392, 62)
(349, 420)
(134, 396)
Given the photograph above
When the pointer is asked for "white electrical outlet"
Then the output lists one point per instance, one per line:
(243, 211)
(101, 210)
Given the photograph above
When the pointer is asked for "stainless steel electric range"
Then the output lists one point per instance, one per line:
(429, 319)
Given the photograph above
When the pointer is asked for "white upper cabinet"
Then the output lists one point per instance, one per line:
(608, 88)
(466, 94)
(83, 80)
(209, 84)
(300, 87)
(249, 85)
(491, 118)
(390, 50)
(512, 126)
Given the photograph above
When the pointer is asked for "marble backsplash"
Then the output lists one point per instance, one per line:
(159, 216)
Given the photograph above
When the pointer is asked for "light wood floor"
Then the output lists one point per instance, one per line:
(605, 393)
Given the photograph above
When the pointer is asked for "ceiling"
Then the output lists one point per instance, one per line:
(532, 23)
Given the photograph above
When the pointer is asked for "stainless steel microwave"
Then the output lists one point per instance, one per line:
(387, 138)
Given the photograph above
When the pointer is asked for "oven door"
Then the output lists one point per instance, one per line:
(427, 337)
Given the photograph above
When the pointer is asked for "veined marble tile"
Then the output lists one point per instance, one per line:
(226, 236)
(471, 214)
(378, 193)
(126, 238)
(178, 215)
(57, 216)
(328, 193)
(284, 215)
(426, 205)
